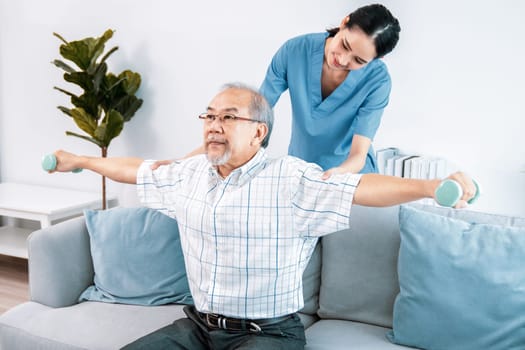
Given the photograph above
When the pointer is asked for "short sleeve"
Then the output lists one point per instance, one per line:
(276, 81)
(323, 206)
(155, 188)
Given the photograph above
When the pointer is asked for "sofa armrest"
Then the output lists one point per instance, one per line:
(60, 264)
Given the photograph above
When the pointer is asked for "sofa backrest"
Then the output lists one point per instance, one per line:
(359, 280)
(359, 268)
(60, 263)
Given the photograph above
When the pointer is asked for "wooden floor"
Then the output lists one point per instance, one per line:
(13, 282)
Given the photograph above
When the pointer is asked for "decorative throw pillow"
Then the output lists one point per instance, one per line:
(462, 284)
(137, 258)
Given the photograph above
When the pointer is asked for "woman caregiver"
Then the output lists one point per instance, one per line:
(338, 89)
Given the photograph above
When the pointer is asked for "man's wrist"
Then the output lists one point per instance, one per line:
(432, 185)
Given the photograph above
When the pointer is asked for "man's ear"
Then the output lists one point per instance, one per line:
(261, 132)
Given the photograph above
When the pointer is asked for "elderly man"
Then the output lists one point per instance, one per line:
(248, 224)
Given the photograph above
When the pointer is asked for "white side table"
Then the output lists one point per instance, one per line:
(42, 204)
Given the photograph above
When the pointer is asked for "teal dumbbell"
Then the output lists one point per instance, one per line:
(449, 192)
(49, 163)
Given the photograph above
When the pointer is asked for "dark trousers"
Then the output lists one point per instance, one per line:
(193, 333)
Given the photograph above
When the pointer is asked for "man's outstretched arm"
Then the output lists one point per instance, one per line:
(117, 169)
(381, 190)
(158, 163)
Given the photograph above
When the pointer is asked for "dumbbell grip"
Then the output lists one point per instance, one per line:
(49, 163)
(449, 192)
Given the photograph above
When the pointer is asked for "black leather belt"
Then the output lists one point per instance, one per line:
(239, 324)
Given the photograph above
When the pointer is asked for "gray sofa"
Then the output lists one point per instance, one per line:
(350, 287)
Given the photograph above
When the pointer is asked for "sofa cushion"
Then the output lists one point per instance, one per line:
(88, 325)
(345, 335)
(137, 258)
(359, 278)
(462, 282)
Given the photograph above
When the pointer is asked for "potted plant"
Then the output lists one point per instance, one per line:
(106, 101)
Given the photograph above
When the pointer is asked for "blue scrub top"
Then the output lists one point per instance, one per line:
(322, 130)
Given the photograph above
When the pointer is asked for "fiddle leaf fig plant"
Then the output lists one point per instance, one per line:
(106, 100)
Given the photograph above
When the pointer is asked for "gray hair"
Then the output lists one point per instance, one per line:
(259, 108)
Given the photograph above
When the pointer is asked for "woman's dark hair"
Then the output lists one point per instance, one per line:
(378, 23)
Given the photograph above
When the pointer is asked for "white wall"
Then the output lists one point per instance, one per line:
(457, 80)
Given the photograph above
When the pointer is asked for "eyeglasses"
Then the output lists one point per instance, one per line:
(225, 118)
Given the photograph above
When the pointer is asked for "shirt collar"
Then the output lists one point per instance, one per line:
(246, 172)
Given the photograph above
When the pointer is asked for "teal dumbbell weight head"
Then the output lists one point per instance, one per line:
(449, 192)
(49, 163)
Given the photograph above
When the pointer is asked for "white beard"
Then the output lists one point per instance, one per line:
(219, 160)
(222, 159)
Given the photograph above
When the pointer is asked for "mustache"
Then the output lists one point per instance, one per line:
(215, 138)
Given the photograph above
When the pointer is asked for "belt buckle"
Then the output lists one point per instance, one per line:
(217, 318)
(221, 323)
(254, 327)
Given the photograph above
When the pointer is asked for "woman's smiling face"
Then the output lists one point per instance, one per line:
(349, 49)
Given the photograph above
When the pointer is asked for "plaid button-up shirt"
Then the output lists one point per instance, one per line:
(247, 238)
